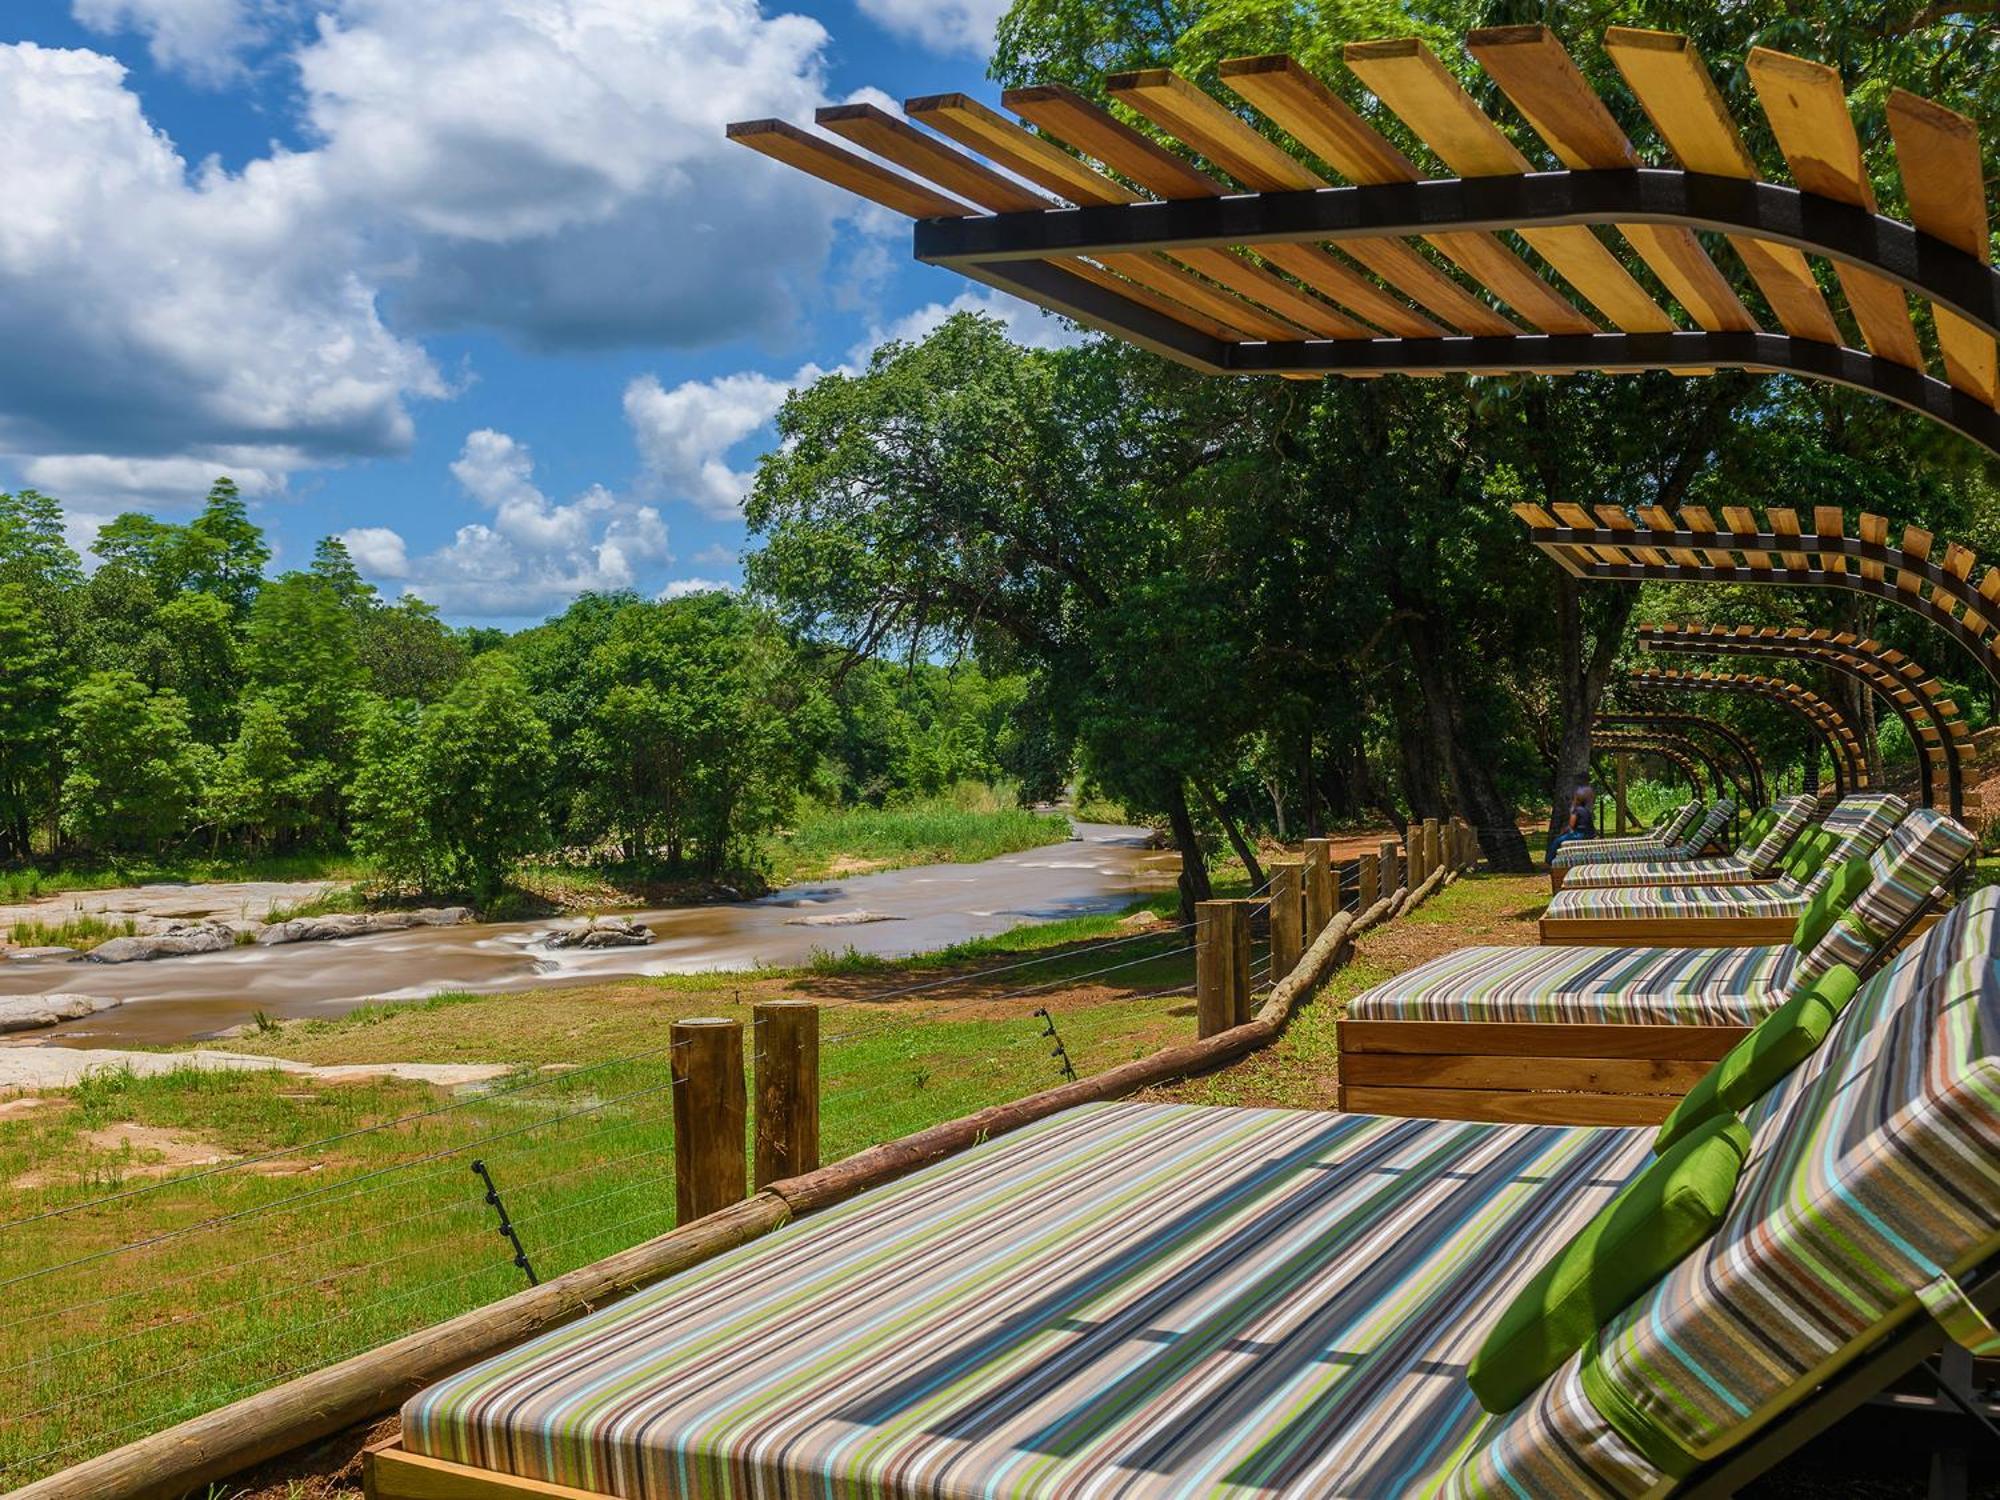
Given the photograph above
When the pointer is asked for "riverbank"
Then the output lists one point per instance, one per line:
(963, 826)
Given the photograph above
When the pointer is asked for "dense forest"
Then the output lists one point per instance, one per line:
(1238, 607)
(176, 697)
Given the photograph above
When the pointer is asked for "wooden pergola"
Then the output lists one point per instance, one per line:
(1676, 750)
(1931, 718)
(1697, 545)
(1843, 745)
(1749, 787)
(1317, 246)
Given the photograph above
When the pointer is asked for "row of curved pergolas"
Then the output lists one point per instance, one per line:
(1274, 229)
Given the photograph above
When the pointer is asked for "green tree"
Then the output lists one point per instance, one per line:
(408, 652)
(701, 730)
(334, 565)
(32, 686)
(159, 551)
(200, 662)
(392, 798)
(300, 652)
(260, 789)
(134, 769)
(226, 549)
(486, 759)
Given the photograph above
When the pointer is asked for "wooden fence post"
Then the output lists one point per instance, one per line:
(1221, 965)
(787, 1067)
(1288, 916)
(1319, 887)
(1433, 848)
(1413, 856)
(1391, 874)
(1366, 869)
(708, 1115)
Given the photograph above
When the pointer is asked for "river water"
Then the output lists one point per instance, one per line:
(179, 999)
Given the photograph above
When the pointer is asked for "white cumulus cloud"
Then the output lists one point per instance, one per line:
(532, 555)
(685, 434)
(203, 39)
(378, 550)
(941, 25)
(680, 588)
(538, 168)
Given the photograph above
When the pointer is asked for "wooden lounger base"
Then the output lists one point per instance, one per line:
(1529, 1073)
(390, 1472)
(1667, 932)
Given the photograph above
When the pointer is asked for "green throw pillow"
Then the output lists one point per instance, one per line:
(1808, 852)
(1746, 1072)
(1634, 1240)
(1759, 826)
(1849, 881)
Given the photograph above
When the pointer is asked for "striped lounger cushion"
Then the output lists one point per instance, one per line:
(1746, 863)
(1662, 986)
(1604, 851)
(1123, 1300)
(1859, 825)
(1875, 1166)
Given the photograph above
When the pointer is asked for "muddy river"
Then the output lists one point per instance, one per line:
(179, 999)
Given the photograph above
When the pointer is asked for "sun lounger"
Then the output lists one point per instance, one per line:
(1693, 835)
(1614, 1035)
(1770, 834)
(1158, 1299)
(1720, 916)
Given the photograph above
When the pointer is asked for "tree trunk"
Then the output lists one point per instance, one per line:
(1467, 762)
(1582, 674)
(1193, 882)
(1234, 833)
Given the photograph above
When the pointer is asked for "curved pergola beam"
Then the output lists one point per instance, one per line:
(1843, 745)
(1169, 267)
(1749, 787)
(1675, 750)
(1931, 719)
(1610, 543)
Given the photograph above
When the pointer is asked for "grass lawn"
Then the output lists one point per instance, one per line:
(1301, 1071)
(318, 1243)
(962, 827)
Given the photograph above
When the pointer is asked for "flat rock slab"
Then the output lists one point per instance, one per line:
(359, 924)
(30, 1012)
(178, 942)
(842, 919)
(32, 1069)
(601, 932)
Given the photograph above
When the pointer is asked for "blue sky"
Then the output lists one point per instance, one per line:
(474, 283)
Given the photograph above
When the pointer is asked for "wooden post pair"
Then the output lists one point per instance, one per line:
(1222, 965)
(709, 1103)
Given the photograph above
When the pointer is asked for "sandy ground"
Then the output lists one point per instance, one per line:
(31, 1069)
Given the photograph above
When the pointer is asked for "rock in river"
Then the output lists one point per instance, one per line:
(30, 1012)
(601, 932)
(175, 942)
(366, 924)
(841, 919)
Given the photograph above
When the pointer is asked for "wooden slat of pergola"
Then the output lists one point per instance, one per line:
(1281, 233)
(1953, 593)
(1935, 726)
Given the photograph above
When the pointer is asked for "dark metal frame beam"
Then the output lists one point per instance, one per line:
(1769, 692)
(1678, 752)
(1736, 742)
(1011, 250)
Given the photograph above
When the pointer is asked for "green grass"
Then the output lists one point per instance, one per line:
(82, 932)
(101, 875)
(968, 825)
(253, 1282)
